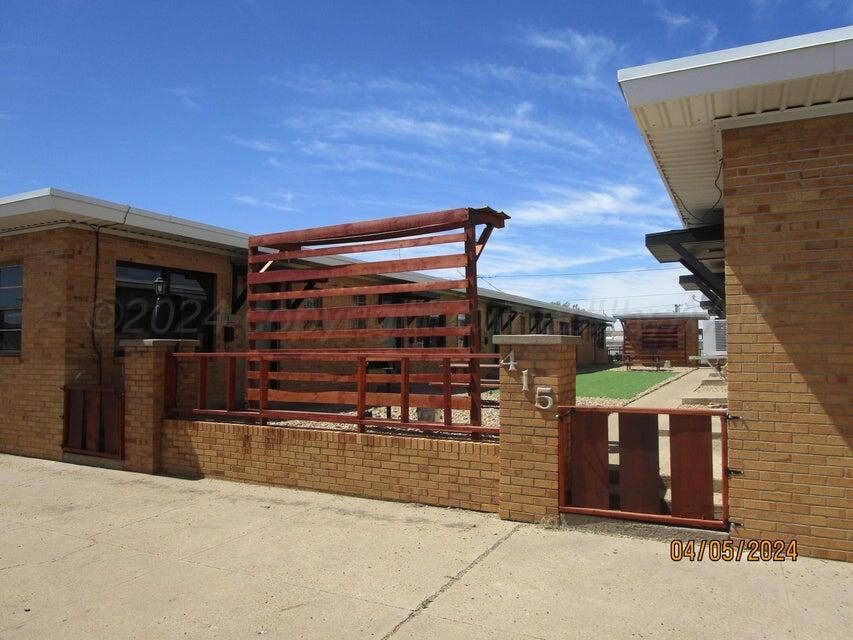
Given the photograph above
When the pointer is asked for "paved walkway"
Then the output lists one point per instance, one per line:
(94, 553)
(669, 395)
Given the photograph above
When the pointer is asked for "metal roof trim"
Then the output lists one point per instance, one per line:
(773, 61)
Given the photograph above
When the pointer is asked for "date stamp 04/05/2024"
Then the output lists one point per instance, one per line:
(733, 550)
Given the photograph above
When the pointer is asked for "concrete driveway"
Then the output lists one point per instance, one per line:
(94, 553)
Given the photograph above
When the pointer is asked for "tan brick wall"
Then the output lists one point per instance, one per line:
(31, 385)
(428, 471)
(789, 297)
(56, 342)
(529, 436)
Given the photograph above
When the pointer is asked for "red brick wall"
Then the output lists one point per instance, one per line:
(789, 297)
(445, 473)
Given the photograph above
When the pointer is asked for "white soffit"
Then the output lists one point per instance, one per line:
(681, 105)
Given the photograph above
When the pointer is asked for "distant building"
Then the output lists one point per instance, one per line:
(654, 338)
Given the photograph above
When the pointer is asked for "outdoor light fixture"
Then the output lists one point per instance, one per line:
(159, 287)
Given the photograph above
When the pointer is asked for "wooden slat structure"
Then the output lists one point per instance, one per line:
(651, 341)
(590, 485)
(286, 303)
(329, 333)
(94, 421)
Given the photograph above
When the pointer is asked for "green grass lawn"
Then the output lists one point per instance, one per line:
(616, 383)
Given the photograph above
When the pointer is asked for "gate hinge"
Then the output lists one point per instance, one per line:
(733, 472)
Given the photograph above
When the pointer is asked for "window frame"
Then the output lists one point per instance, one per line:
(206, 333)
(14, 353)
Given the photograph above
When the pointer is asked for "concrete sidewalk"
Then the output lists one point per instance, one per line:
(94, 553)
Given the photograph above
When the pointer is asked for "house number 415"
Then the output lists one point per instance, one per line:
(544, 397)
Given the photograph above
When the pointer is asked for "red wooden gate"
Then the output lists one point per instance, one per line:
(94, 421)
(633, 488)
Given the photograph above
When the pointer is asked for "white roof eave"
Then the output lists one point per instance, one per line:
(763, 63)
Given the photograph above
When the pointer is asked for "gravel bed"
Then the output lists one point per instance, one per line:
(602, 402)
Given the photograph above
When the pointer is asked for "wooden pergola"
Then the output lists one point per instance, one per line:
(297, 342)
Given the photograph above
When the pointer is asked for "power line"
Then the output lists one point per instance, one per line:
(577, 273)
(644, 295)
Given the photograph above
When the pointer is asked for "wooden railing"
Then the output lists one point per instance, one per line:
(277, 385)
(635, 488)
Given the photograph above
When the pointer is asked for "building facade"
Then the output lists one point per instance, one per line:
(77, 280)
(651, 339)
(754, 146)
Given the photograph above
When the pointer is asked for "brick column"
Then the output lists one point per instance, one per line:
(529, 450)
(144, 400)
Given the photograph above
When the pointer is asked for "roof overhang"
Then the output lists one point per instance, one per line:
(681, 106)
(701, 250)
(50, 208)
(695, 315)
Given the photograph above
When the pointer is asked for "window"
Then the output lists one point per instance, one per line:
(11, 297)
(187, 310)
(359, 323)
(564, 328)
(312, 303)
(600, 340)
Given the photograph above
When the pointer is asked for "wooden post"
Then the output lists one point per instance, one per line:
(201, 402)
(231, 398)
(448, 392)
(474, 340)
(263, 387)
(361, 390)
(405, 367)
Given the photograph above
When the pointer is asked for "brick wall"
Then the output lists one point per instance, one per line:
(789, 297)
(429, 471)
(32, 407)
(56, 345)
(529, 436)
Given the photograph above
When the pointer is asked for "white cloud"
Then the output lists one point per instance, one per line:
(442, 125)
(255, 144)
(188, 97)
(318, 81)
(355, 157)
(605, 293)
(279, 201)
(761, 6)
(621, 205)
(504, 256)
(706, 29)
(584, 52)
(563, 83)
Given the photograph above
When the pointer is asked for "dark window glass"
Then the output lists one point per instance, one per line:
(10, 297)
(11, 300)
(10, 320)
(10, 341)
(11, 276)
(186, 311)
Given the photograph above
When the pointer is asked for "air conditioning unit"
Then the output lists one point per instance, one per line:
(714, 342)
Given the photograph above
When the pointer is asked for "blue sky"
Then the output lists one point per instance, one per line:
(264, 115)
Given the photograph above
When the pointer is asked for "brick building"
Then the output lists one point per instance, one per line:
(77, 279)
(754, 145)
(655, 338)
